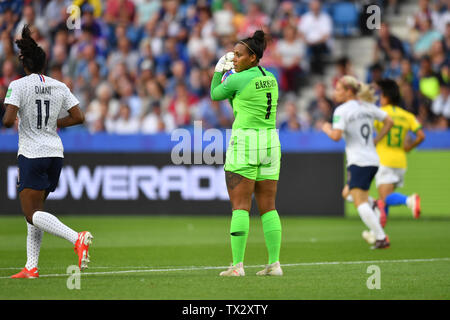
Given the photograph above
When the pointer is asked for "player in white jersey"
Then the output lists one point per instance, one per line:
(37, 100)
(353, 120)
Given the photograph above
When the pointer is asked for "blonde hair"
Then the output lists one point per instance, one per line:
(363, 91)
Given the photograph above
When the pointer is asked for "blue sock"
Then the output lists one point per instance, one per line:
(394, 199)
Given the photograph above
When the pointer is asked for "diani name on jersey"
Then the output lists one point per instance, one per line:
(261, 84)
(42, 90)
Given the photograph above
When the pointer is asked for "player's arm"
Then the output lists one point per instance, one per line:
(335, 130)
(75, 117)
(10, 115)
(387, 125)
(334, 134)
(420, 136)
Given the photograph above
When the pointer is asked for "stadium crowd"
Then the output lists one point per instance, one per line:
(145, 66)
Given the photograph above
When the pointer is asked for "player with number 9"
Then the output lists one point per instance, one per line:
(37, 101)
(252, 164)
(354, 121)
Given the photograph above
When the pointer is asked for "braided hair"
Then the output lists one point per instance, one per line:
(31, 56)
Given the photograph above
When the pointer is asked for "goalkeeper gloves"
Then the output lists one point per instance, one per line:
(225, 63)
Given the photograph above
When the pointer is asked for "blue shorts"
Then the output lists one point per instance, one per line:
(360, 177)
(38, 173)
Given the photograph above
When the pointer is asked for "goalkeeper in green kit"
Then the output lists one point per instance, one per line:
(252, 164)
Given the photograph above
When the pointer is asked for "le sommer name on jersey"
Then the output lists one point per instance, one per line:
(42, 90)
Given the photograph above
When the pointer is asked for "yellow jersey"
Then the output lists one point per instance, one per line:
(390, 148)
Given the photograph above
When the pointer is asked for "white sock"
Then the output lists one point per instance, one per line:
(371, 201)
(34, 239)
(409, 201)
(51, 224)
(370, 220)
(349, 198)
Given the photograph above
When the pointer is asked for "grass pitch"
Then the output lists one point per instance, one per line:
(180, 258)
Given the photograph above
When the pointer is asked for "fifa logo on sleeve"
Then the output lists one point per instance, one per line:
(374, 20)
(74, 280)
(374, 281)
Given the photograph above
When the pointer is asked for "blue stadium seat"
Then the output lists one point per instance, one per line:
(345, 18)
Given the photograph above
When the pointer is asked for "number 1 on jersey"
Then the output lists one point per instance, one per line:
(269, 104)
(39, 112)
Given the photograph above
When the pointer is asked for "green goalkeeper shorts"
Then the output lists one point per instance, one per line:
(258, 164)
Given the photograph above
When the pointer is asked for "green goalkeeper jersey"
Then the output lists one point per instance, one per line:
(253, 94)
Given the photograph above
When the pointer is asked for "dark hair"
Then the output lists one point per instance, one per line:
(389, 88)
(256, 44)
(32, 56)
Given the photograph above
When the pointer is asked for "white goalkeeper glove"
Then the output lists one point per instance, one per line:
(225, 63)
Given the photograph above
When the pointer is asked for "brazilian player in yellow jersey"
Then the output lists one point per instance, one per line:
(392, 150)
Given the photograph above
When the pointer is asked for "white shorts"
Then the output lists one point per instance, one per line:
(387, 175)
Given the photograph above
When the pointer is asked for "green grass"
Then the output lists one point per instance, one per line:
(148, 243)
(428, 174)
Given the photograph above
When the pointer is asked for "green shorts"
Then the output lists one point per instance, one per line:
(260, 164)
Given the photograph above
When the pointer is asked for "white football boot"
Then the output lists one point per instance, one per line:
(234, 271)
(273, 269)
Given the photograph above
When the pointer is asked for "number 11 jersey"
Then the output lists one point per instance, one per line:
(40, 100)
(356, 120)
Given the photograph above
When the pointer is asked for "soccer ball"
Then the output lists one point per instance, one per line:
(227, 74)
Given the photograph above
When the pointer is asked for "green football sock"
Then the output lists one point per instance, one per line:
(240, 224)
(272, 234)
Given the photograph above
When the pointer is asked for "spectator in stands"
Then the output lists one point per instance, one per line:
(96, 4)
(320, 93)
(316, 29)
(446, 39)
(428, 80)
(103, 109)
(386, 44)
(8, 21)
(343, 68)
(29, 17)
(156, 122)
(393, 69)
(441, 105)
(7, 49)
(425, 116)
(224, 20)
(183, 105)
(146, 10)
(290, 51)
(126, 123)
(439, 58)
(119, 11)
(254, 20)
(8, 73)
(427, 37)
(424, 13)
(214, 114)
(323, 113)
(409, 98)
(52, 13)
(125, 54)
(408, 75)
(291, 121)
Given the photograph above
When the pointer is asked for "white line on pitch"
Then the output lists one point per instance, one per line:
(253, 266)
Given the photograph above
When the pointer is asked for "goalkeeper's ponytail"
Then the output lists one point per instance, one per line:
(256, 44)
